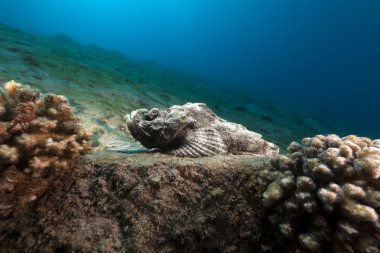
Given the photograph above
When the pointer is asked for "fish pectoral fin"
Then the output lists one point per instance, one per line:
(201, 142)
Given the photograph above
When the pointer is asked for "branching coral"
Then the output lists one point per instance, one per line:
(39, 137)
(324, 196)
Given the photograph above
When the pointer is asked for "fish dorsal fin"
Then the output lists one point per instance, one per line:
(201, 142)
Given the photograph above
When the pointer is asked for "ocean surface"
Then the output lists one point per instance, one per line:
(285, 69)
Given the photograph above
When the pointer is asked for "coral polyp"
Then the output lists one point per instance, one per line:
(324, 196)
(39, 138)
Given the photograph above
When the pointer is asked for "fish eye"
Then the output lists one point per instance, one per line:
(153, 113)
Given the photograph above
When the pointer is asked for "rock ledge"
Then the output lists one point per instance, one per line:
(145, 203)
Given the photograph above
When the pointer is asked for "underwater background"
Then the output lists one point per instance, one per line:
(285, 69)
(75, 178)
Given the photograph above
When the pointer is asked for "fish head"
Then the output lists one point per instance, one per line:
(158, 128)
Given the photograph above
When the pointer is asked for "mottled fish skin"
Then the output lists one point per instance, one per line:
(193, 130)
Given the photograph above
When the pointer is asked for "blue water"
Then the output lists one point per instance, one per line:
(322, 57)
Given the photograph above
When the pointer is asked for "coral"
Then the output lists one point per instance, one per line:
(193, 130)
(324, 196)
(39, 136)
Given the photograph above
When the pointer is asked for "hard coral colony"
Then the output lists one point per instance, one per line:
(39, 136)
(325, 195)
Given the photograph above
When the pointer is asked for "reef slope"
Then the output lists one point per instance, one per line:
(145, 203)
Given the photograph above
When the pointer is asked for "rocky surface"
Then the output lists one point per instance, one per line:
(116, 202)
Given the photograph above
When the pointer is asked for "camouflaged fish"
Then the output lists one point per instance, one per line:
(193, 130)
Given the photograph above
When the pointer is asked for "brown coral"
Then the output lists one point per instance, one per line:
(325, 195)
(36, 145)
